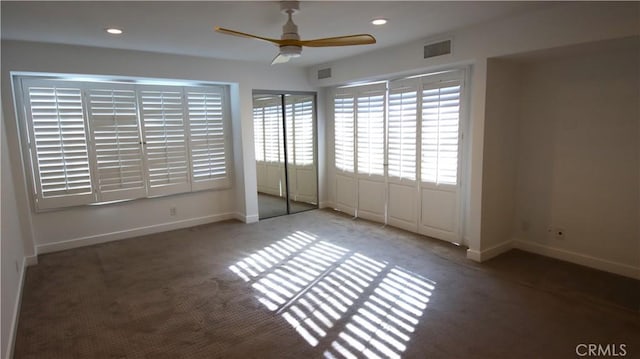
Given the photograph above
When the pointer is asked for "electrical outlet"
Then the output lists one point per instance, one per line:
(560, 233)
(173, 211)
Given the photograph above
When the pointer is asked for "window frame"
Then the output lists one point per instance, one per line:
(21, 81)
(455, 75)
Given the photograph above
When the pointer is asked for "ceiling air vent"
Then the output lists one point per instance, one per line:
(437, 49)
(324, 73)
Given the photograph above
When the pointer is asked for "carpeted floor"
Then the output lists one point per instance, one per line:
(315, 285)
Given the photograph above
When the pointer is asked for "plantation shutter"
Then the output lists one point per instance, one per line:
(163, 120)
(440, 128)
(402, 129)
(58, 143)
(300, 131)
(370, 113)
(115, 131)
(272, 133)
(206, 113)
(344, 125)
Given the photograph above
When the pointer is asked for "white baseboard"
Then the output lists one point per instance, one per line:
(474, 255)
(578, 258)
(325, 204)
(129, 233)
(246, 219)
(493, 251)
(31, 260)
(26, 261)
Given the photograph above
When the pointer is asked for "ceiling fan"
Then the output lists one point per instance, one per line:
(290, 44)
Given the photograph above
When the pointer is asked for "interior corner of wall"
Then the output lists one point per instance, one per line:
(474, 255)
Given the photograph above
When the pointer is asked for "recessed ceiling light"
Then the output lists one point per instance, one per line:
(379, 21)
(113, 31)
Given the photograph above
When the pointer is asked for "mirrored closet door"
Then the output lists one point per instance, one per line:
(286, 152)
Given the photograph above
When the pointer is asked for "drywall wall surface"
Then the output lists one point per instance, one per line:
(557, 25)
(13, 251)
(578, 157)
(97, 223)
(552, 26)
(321, 149)
(501, 123)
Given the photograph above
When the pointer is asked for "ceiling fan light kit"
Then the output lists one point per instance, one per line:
(290, 44)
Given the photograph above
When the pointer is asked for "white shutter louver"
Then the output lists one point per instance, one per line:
(344, 131)
(440, 126)
(207, 138)
(370, 107)
(59, 143)
(402, 129)
(115, 131)
(163, 120)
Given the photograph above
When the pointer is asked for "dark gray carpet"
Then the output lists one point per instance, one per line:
(312, 285)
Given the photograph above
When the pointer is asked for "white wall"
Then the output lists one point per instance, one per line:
(500, 155)
(91, 224)
(554, 26)
(14, 251)
(578, 164)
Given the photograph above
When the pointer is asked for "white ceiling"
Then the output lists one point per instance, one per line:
(187, 27)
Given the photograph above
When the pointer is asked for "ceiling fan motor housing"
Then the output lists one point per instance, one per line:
(290, 29)
(290, 50)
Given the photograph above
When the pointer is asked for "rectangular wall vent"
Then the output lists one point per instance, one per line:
(437, 49)
(324, 73)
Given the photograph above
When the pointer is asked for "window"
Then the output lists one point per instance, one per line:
(113, 119)
(344, 131)
(163, 122)
(370, 132)
(359, 113)
(423, 116)
(440, 122)
(93, 142)
(403, 102)
(58, 133)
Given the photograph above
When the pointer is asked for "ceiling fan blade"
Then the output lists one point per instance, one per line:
(243, 34)
(349, 40)
(280, 59)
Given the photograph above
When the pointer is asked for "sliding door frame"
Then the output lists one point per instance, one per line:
(282, 95)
